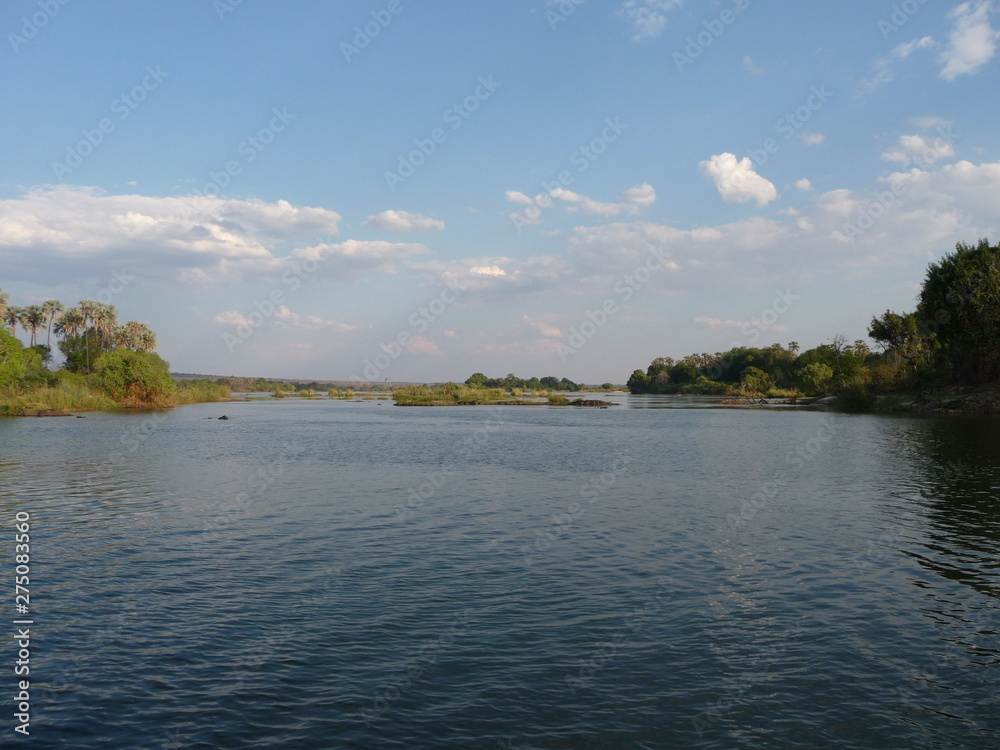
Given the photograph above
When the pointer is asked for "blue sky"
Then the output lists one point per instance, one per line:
(412, 190)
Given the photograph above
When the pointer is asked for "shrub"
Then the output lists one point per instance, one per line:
(134, 378)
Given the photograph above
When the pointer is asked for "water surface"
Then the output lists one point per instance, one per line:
(327, 574)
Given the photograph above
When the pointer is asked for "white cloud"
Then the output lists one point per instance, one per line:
(403, 221)
(917, 149)
(488, 270)
(542, 327)
(231, 318)
(60, 231)
(751, 66)
(972, 42)
(283, 315)
(719, 323)
(884, 69)
(629, 203)
(736, 180)
(648, 17)
(516, 196)
(422, 345)
(804, 185)
(642, 195)
(814, 139)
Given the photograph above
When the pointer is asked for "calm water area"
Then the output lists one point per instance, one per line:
(660, 574)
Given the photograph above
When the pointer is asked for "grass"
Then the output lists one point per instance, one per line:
(63, 397)
(199, 392)
(70, 396)
(782, 393)
(444, 395)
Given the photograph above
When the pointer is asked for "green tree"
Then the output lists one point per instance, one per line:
(12, 316)
(134, 378)
(638, 382)
(476, 380)
(32, 318)
(51, 309)
(755, 379)
(140, 338)
(899, 334)
(959, 312)
(815, 377)
(79, 351)
(14, 359)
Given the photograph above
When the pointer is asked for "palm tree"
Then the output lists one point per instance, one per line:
(32, 318)
(12, 316)
(4, 299)
(135, 336)
(147, 339)
(71, 323)
(51, 308)
(89, 310)
(36, 319)
(105, 321)
(126, 336)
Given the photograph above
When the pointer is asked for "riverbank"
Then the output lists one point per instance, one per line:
(66, 399)
(957, 400)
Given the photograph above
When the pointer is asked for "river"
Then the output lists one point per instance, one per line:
(328, 574)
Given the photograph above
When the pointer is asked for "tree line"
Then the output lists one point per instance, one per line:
(952, 338)
(511, 381)
(97, 351)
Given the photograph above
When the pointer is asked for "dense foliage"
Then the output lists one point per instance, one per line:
(953, 337)
(15, 360)
(134, 378)
(104, 364)
(548, 383)
(765, 371)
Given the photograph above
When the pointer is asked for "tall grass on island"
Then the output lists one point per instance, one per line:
(62, 397)
(453, 394)
(199, 392)
(67, 393)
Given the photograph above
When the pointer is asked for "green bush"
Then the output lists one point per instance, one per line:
(14, 360)
(134, 378)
